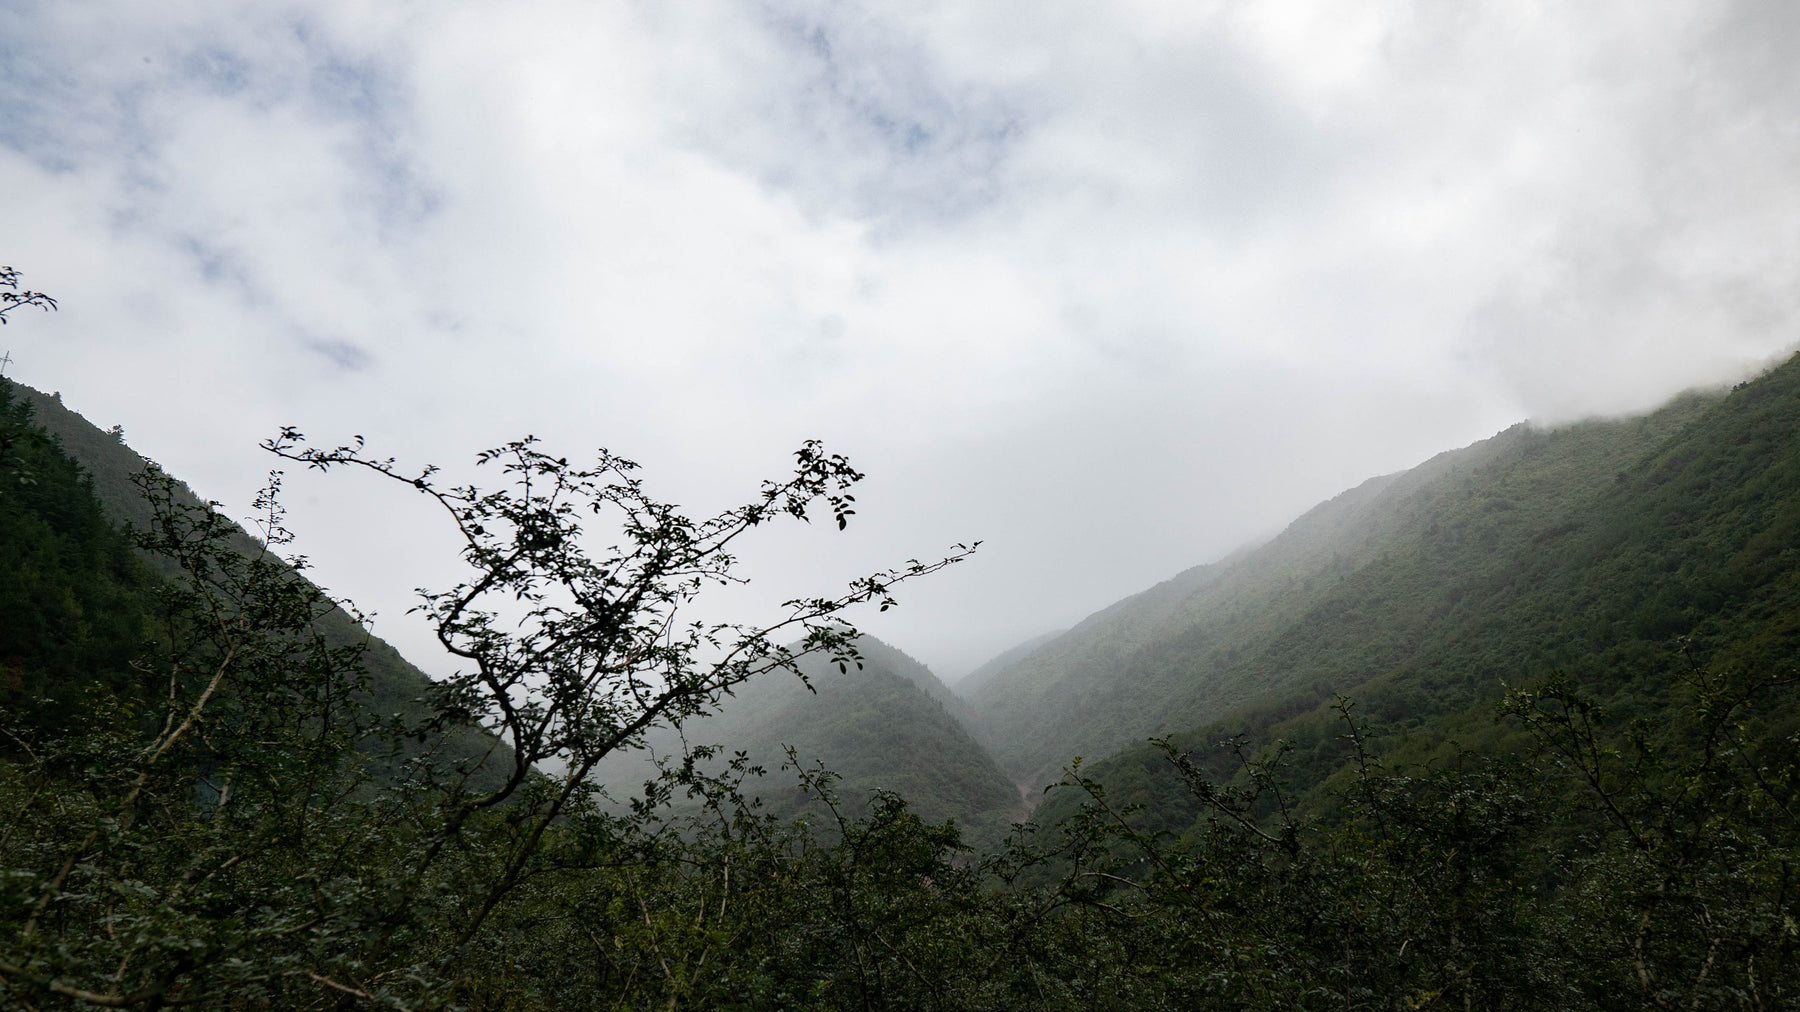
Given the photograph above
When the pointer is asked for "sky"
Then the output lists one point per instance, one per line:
(1113, 288)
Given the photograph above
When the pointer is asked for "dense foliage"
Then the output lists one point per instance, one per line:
(1653, 868)
(213, 807)
(242, 826)
(75, 602)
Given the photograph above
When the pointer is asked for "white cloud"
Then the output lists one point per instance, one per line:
(1115, 288)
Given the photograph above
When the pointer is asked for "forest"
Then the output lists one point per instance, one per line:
(1519, 729)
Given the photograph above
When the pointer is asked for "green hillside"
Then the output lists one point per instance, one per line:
(890, 725)
(75, 600)
(1557, 858)
(1627, 577)
(93, 493)
(1373, 578)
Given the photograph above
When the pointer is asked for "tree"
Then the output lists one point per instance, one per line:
(251, 833)
(601, 653)
(13, 297)
(194, 838)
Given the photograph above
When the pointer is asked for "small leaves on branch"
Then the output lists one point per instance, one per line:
(13, 297)
(575, 651)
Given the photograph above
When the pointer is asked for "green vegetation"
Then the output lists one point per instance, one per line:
(884, 724)
(1402, 574)
(1622, 575)
(395, 686)
(1570, 778)
(75, 605)
(241, 828)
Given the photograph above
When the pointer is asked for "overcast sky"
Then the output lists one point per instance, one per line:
(1115, 287)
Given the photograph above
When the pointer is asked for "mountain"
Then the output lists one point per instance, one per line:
(75, 599)
(96, 495)
(890, 725)
(1623, 836)
(1388, 575)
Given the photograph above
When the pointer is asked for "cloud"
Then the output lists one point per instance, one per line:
(1115, 287)
(848, 112)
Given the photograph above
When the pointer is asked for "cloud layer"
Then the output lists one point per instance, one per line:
(1113, 287)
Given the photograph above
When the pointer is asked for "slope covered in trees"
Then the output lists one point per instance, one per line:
(1625, 577)
(107, 466)
(240, 849)
(889, 725)
(1387, 574)
(111, 464)
(75, 600)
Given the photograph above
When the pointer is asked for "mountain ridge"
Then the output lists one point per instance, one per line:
(1179, 654)
(1630, 582)
(889, 724)
(396, 684)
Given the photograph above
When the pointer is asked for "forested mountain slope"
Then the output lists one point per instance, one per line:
(101, 483)
(1647, 865)
(889, 725)
(75, 600)
(1379, 576)
(1686, 560)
